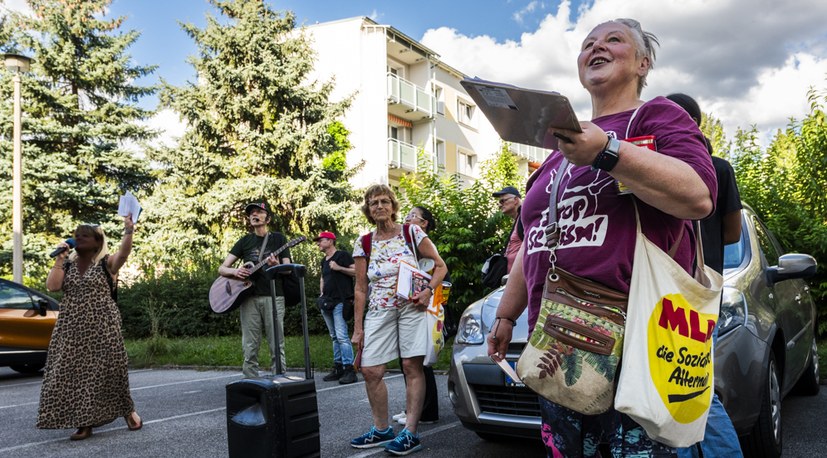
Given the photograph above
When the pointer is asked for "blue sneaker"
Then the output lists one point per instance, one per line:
(373, 438)
(406, 442)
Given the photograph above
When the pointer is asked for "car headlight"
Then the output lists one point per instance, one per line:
(470, 328)
(733, 310)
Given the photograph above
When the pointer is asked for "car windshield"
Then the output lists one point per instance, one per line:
(734, 252)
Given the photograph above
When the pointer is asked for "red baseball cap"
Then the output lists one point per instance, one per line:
(325, 235)
(256, 205)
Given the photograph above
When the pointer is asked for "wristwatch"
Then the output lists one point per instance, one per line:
(607, 159)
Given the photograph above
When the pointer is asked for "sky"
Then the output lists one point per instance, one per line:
(747, 62)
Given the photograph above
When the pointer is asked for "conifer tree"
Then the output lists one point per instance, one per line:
(257, 128)
(80, 113)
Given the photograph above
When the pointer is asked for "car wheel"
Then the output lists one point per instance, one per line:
(27, 368)
(765, 438)
(808, 383)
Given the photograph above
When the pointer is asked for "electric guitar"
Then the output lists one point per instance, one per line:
(227, 293)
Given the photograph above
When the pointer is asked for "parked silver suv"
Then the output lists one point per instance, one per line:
(766, 347)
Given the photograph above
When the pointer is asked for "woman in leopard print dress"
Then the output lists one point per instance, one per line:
(86, 383)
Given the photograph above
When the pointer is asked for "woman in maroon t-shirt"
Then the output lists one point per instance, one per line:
(672, 185)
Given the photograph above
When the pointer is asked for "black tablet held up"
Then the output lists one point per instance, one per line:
(522, 115)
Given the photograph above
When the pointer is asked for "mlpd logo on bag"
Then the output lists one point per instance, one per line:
(680, 357)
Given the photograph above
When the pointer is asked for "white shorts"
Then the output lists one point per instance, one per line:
(392, 332)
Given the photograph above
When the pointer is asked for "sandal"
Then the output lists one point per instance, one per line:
(81, 433)
(131, 423)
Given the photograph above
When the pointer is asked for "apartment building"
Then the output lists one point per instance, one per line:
(405, 100)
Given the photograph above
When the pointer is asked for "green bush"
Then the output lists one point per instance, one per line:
(176, 304)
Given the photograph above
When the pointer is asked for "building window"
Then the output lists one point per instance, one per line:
(440, 154)
(465, 112)
(439, 95)
(403, 134)
(466, 163)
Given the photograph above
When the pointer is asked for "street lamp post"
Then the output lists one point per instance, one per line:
(17, 64)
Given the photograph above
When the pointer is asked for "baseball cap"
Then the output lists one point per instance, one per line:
(507, 190)
(256, 205)
(325, 235)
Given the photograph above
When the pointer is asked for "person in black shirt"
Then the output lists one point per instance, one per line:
(336, 288)
(257, 310)
(720, 228)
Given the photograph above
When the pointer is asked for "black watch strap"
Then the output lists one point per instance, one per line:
(607, 159)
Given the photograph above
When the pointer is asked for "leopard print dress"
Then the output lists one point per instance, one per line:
(86, 382)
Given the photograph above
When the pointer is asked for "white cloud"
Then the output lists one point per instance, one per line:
(20, 6)
(169, 125)
(747, 62)
(518, 16)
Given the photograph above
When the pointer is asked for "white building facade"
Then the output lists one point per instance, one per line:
(405, 100)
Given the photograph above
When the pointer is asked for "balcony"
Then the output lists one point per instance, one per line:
(401, 155)
(529, 153)
(408, 101)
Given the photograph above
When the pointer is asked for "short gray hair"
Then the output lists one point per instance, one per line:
(645, 43)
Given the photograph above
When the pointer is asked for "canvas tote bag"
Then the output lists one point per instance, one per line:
(666, 380)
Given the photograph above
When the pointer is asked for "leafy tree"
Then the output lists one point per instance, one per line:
(469, 226)
(713, 129)
(785, 185)
(257, 129)
(80, 113)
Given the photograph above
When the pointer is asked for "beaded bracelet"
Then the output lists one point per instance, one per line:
(513, 322)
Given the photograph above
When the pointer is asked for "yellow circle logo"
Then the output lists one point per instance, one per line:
(680, 357)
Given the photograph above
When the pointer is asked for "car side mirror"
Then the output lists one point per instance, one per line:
(42, 306)
(792, 265)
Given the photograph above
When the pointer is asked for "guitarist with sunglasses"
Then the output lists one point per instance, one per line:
(257, 309)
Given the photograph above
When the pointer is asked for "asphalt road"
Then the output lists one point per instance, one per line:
(184, 416)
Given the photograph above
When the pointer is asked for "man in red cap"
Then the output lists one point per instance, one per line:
(257, 310)
(336, 288)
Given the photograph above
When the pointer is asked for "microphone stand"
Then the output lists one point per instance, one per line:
(299, 270)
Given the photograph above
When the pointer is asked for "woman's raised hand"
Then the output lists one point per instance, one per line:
(584, 146)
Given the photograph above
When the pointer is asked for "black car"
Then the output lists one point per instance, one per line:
(766, 348)
(27, 318)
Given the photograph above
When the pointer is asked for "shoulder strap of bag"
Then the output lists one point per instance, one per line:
(629, 126)
(407, 232)
(677, 243)
(552, 196)
(113, 289)
(367, 240)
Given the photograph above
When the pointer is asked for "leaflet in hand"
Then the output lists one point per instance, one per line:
(129, 205)
(411, 281)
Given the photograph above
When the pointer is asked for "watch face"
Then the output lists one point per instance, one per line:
(607, 159)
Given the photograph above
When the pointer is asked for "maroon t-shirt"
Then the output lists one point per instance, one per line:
(598, 229)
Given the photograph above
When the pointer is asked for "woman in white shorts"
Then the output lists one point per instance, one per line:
(387, 326)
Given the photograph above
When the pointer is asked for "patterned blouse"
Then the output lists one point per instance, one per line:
(383, 267)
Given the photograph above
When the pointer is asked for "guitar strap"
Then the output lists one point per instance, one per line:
(263, 245)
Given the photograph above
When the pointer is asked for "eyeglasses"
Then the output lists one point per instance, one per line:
(378, 202)
(504, 200)
(413, 216)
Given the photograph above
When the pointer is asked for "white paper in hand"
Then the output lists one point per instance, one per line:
(129, 205)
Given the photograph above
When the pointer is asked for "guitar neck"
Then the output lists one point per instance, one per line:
(264, 261)
(287, 245)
